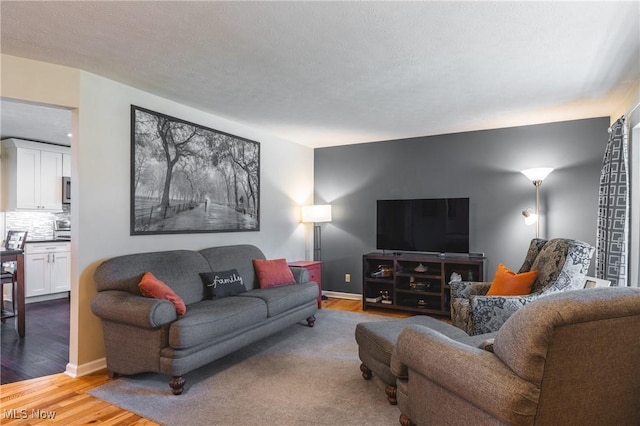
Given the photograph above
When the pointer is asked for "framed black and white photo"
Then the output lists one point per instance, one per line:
(187, 178)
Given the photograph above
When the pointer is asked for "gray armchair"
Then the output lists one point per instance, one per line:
(567, 359)
(562, 265)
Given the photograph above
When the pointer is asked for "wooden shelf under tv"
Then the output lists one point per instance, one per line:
(425, 291)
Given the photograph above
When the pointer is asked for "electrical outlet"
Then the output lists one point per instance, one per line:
(347, 278)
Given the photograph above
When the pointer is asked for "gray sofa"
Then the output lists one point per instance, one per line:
(143, 334)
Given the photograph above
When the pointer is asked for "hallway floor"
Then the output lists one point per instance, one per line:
(45, 348)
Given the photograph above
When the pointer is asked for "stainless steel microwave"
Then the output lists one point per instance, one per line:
(66, 190)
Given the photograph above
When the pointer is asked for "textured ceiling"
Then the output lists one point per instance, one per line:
(330, 73)
(35, 122)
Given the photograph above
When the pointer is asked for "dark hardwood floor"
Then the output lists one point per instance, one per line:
(45, 348)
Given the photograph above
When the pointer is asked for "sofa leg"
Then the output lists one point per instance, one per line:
(405, 421)
(112, 374)
(366, 372)
(311, 321)
(391, 392)
(177, 384)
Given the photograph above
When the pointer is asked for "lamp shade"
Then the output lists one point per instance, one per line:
(537, 174)
(316, 213)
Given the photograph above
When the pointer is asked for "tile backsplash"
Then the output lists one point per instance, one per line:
(39, 225)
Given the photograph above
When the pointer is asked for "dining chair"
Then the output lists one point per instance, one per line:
(15, 241)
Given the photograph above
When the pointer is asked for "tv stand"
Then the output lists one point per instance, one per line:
(414, 282)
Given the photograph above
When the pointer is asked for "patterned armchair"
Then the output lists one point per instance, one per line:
(561, 264)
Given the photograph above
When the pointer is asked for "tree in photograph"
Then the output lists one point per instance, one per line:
(177, 166)
(244, 157)
(174, 139)
(191, 178)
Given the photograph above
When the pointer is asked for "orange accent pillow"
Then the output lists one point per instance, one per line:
(508, 283)
(150, 286)
(273, 273)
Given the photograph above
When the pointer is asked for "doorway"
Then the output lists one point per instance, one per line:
(45, 349)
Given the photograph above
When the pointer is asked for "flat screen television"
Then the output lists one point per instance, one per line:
(438, 225)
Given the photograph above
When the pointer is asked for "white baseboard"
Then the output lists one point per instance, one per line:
(84, 369)
(341, 295)
(46, 297)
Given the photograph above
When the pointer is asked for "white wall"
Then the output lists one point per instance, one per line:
(102, 192)
(101, 184)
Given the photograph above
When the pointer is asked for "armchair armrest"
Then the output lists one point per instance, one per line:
(464, 289)
(127, 308)
(490, 312)
(473, 374)
(479, 288)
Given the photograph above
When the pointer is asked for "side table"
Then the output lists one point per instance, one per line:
(315, 274)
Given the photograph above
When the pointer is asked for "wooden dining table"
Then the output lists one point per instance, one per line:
(15, 255)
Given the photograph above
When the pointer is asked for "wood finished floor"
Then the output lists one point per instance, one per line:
(45, 348)
(61, 400)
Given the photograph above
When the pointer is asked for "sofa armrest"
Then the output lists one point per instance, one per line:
(126, 308)
(300, 274)
(473, 374)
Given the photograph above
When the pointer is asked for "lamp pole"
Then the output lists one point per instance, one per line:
(537, 184)
(316, 214)
(537, 175)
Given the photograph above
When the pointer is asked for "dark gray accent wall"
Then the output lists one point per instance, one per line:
(484, 166)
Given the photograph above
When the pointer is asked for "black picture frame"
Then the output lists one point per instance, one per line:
(187, 178)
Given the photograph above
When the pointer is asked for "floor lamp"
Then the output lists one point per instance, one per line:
(316, 214)
(535, 175)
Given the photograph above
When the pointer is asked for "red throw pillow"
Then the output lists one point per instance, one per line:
(508, 283)
(273, 273)
(150, 286)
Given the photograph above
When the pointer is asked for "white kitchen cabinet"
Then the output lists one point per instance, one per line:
(32, 175)
(66, 165)
(47, 268)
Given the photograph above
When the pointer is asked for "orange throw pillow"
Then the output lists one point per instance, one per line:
(273, 273)
(150, 286)
(508, 283)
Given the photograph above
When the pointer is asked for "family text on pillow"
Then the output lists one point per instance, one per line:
(222, 284)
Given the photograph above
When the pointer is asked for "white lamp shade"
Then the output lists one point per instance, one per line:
(316, 213)
(538, 173)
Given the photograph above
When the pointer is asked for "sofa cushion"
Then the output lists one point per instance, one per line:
(273, 273)
(209, 319)
(150, 286)
(239, 257)
(508, 283)
(222, 284)
(281, 299)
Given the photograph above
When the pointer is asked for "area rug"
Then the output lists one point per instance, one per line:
(300, 376)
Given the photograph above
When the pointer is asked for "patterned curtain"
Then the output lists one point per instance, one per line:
(613, 209)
